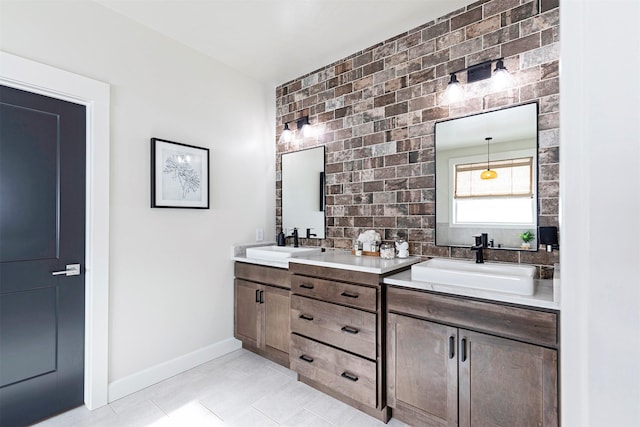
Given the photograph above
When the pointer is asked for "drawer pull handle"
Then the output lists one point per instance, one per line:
(257, 295)
(349, 295)
(349, 376)
(306, 317)
(350, 330)
(306, 358)
(452, 347)
(463, 350)
(305, 286)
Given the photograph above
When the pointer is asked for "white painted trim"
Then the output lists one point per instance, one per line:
(147, 377)
(35, 77)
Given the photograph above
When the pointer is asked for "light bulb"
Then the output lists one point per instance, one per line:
(501, 79)
(454, 92)
(286, 133)
(307, 131)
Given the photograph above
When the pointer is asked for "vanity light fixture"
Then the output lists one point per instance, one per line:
(303, 126)
(489, 173)
(500, 77)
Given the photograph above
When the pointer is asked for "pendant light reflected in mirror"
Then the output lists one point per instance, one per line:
(489, 173)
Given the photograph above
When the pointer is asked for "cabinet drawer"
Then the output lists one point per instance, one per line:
(347, 328)
(345, 373)
(342, 293)
(263, 274)
(538, 327)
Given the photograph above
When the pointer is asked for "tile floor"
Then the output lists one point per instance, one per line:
(238, 389)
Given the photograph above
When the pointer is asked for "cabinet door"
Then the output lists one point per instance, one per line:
(422, 369)
(247, 311)
(506, 383)
(277, 328)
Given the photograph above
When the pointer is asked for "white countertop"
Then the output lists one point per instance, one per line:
(543, 296)
(346, 261)
(334, 258)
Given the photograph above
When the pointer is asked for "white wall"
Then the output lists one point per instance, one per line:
(171, 277)
(600, 212)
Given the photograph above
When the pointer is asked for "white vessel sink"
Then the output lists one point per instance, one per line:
(515, 279)
(280, 253)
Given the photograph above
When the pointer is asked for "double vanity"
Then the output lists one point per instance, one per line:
(437, 342)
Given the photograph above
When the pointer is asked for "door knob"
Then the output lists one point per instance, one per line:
(72, 270)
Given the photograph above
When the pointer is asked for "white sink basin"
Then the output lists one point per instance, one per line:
(280, 253)
(515, 279)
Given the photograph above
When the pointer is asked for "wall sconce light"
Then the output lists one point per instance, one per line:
(489, 173)
(500, 77)
(454, 92)
(303, 126)
(286, 133)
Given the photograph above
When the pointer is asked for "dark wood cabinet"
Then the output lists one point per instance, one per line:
(442, 373)
(262, 306)
(337, 340)
(422, 369)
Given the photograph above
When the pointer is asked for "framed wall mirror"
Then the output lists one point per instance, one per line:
(487, 177)
(303, 192)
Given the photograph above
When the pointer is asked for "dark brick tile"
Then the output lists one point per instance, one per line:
(384, 100)
(548, 5)
(483, 27)
(408, 41)
(384, 222)
(372, 186)
(396, 134)
(498, 6)
(435, 30)
(396, 109)
(521, 45)
(435, 113)
(459, 21)
(373, 67)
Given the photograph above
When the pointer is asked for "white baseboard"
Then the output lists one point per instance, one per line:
(140, 380)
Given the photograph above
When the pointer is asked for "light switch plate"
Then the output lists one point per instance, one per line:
(259, 234)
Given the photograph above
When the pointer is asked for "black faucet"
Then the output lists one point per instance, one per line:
(481, 243)
(295, 237)
(310, 234)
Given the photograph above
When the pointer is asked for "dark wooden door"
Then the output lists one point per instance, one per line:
(246, 312)
(42, 230)
(422, 373)
(506, 383)
(277, 319)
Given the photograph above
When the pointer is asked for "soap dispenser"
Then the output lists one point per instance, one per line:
(281, 239)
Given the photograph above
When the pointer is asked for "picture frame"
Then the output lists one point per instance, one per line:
(179, 175)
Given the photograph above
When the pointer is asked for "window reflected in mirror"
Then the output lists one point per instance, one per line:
(503, 142)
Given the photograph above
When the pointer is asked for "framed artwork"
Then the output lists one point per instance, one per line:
(179, 175)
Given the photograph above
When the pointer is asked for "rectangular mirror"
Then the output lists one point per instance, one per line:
(486, 177)
(303, 192)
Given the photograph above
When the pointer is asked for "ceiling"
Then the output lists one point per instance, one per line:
(276, 41)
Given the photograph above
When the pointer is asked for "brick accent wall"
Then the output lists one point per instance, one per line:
(375, 112)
